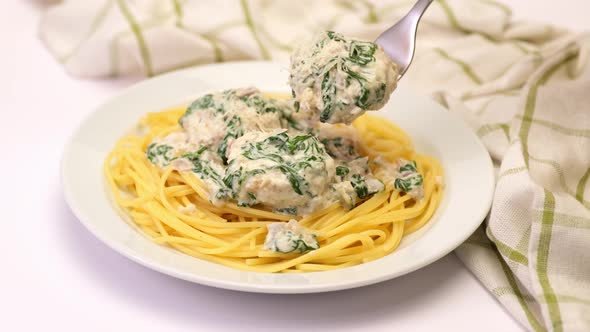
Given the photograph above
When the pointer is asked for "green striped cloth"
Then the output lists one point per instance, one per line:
(523, 87)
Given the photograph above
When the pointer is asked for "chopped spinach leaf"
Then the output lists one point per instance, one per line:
(195, 154)
(292, 122)
(408, 167)
(360, 186)
(339, 148)
(409, 178)
(328, 95)
(297, 181)
(159, 153)
(335, 36)
(303, 246)
(200, 103)
(202, 167)
(298, 143)
(362, 52)
(233, 181)
(296, 242)
(234, 130)
(408, 184)
(287, 210)
(342, 171)
(254, 152)
(380, 93)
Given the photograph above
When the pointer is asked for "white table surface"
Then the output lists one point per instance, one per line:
(56, 275)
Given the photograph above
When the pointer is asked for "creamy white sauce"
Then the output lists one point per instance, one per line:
(338, 79)
(289, 236)
(408, 179)
(181, 164)
(340, 140)
(404, 177)
(162, 151)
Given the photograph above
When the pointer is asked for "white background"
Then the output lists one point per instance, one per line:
(55, 275)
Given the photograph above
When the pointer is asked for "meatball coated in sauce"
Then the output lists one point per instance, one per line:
(338, 79)
(289, 173)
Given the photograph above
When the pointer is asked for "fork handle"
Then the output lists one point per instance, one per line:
(399, 41)
(418, 10)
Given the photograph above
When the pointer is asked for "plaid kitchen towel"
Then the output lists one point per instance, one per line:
(523, 87)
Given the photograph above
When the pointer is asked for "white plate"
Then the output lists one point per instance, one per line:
(467, 197)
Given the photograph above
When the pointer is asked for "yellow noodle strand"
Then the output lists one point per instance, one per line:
(173, 208)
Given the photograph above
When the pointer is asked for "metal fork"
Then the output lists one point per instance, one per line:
(399, 41)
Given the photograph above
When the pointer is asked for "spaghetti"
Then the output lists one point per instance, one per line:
(173, 207)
